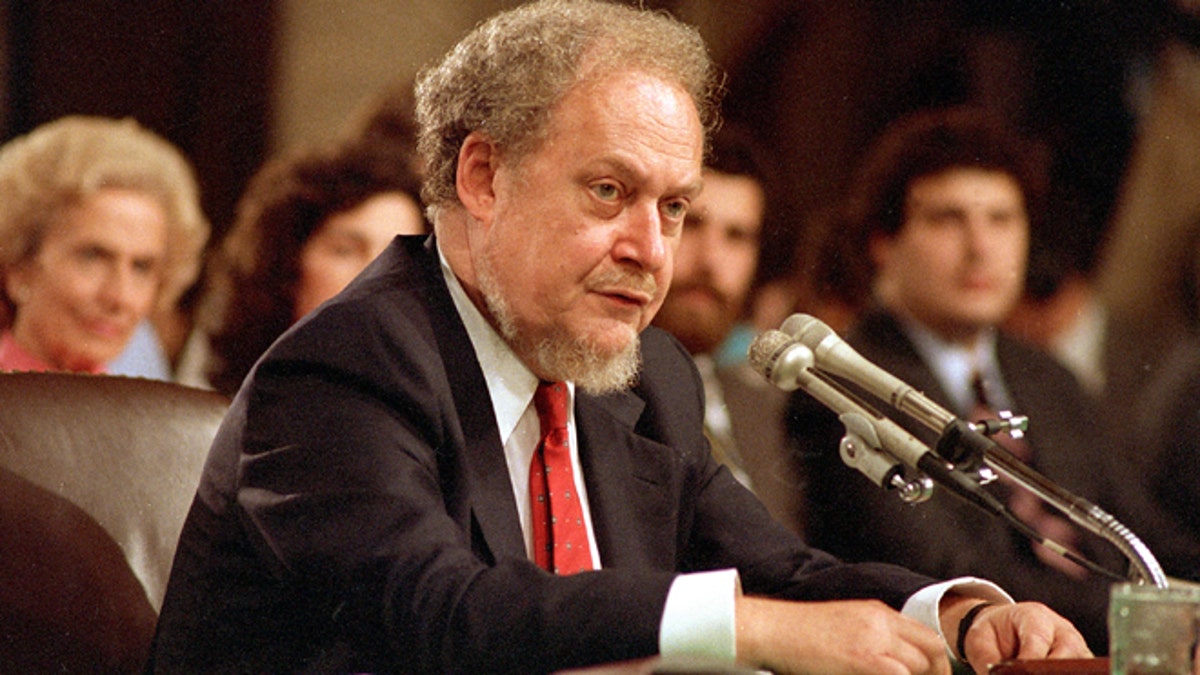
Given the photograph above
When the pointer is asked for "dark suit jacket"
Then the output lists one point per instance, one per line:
(1160, 462)
(851, 517)
(756, 410)
(356, 512)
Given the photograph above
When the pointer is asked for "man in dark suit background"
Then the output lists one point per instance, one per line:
(367, 504)
(714, 279)
(940, 216)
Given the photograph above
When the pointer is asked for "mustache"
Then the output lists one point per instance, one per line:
(684, 287)
(625, 279)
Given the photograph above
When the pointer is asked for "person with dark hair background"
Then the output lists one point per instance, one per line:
(307, 224)
(717, 266)
(943, 206)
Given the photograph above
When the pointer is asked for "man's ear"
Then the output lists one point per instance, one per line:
(476, 174)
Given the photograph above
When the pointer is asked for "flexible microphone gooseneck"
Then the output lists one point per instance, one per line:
(959, 441)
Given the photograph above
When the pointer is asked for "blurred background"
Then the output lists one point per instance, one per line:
(233, 82)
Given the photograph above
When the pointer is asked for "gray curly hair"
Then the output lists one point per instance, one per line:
(507, 74)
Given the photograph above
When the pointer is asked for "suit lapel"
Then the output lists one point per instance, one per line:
(629, 481)
(881, 340)
(630, 478)
(487, 481)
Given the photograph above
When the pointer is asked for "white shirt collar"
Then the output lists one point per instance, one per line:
(510, 383)
(953, 365)
(511, 386)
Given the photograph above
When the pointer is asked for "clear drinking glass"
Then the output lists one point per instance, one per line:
(1154, 630)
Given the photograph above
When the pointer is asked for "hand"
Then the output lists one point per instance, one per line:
(856, 636)
(1025, 630)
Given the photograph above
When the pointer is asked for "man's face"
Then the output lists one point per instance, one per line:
(715, 264)
(957, 264)
(579, 249)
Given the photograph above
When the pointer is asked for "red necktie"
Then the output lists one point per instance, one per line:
(560, 542)
(1025, 505)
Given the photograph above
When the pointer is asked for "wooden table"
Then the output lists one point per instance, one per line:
(654, 666)
(1058, 666)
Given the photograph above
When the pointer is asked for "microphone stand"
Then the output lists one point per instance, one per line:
(965, 458)
(962, 444)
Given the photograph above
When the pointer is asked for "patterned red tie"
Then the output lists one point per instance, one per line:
(560, 542)
(1024, 504)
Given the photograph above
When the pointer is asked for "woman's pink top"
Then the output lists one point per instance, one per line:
(13, 357)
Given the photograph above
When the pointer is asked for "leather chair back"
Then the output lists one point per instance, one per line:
(96, 477)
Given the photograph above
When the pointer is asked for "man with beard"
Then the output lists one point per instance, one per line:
(384, 497)
(715, 268)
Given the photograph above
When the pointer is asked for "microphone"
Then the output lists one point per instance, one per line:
(785, 363)
(788, 364)
(958, 440)
(780, 358)
(833, 355)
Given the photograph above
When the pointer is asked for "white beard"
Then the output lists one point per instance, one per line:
(559, 355)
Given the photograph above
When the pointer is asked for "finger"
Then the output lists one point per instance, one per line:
(983, 651)
(918, 659)
(1069, 645)
(901, 666)
(886, 665)
(903, 657)
(919, 648)
(1053, 638)
(1034, 644)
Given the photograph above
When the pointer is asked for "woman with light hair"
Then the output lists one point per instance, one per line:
(100, 225)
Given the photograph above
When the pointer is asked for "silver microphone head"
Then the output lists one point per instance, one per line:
(808, 330)
(778, 357)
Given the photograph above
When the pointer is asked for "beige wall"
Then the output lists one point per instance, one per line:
(335, 54)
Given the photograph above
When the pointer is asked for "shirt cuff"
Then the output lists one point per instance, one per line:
(923, 605)
(699, 620)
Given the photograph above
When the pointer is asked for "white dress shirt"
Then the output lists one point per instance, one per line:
(954, 366)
